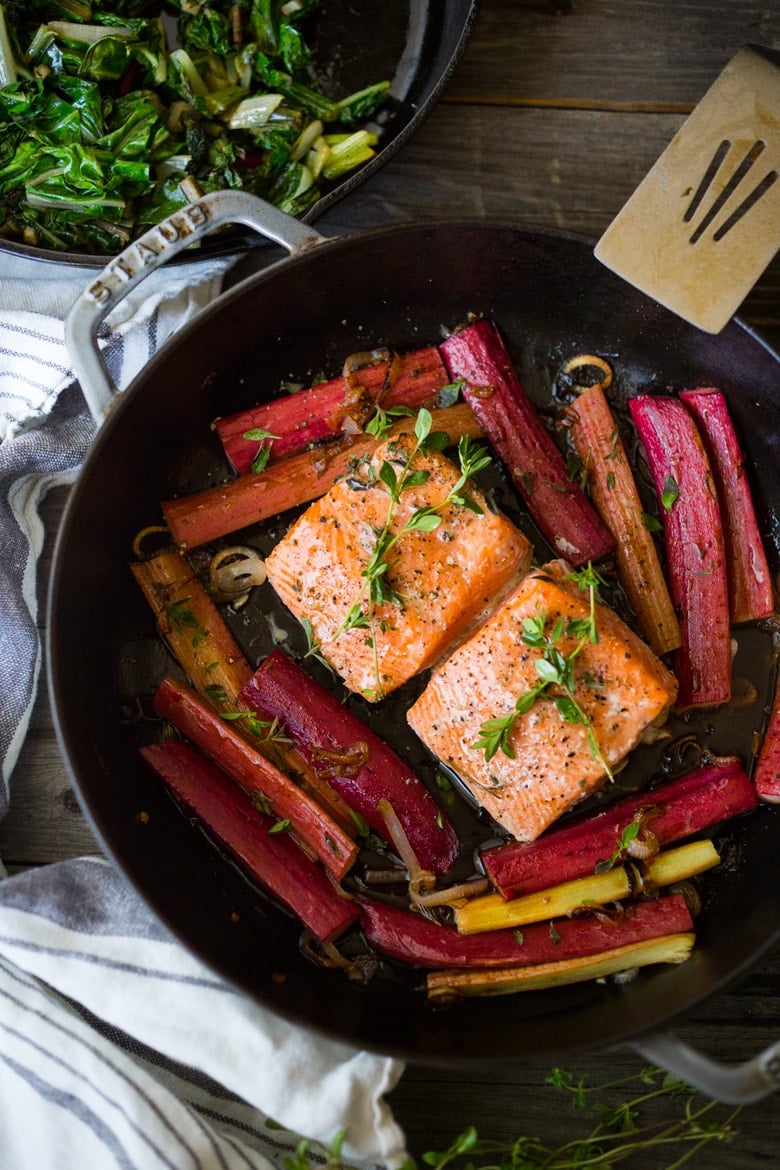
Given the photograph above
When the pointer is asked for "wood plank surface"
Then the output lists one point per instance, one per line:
(556, 112)
(640, 54)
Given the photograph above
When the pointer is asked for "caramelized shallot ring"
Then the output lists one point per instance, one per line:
(594, 362)
(150, 530)
(234, 571)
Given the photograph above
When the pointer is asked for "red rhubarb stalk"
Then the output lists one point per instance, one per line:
(695, 549)
(671, 812)
(510, 421)
(325, 411)
(750, 582)
(205, 516)
(401, 934)
(361, 767)
(270, 857)
(254, 772)
(767, 773)
(596, 439)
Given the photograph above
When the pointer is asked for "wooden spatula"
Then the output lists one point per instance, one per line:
(704, 223)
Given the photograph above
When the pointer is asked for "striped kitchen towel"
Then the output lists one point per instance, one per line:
(118, 1049)
(45, 430)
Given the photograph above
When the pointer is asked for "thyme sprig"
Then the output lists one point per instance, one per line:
(622, 844)
(656, 1114)
(397, 474)
(181, 618)
(381, 421)
(265, 440)
(619, 1134)
(555, 670)
(313, 647)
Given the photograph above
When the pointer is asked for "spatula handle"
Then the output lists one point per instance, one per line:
(149, 252)
(739, 1084)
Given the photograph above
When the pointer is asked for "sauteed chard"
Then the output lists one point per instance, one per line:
(102, 117)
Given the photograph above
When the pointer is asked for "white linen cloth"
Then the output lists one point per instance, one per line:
(119, 1049)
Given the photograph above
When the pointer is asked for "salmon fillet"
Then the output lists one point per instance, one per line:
(447, 579)
(619, 683)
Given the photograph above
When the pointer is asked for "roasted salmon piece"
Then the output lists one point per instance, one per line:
(619, 684)
(446, 580)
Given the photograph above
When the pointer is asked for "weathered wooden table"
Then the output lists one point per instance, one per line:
(555, 114)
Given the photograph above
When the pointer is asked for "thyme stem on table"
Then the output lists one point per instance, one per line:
(657, 1114)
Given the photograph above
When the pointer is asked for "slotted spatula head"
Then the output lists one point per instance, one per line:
(704, 223)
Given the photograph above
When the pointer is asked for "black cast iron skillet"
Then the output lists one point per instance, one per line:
(396, 287)
(415, 44)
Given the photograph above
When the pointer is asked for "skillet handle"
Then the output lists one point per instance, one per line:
(150, 251)
(739, 1084)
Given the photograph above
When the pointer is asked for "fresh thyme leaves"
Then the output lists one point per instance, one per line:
(267, 734)
(398, 474)
(265, 439)
(622, 842)
(448, 395)
(308, 1153)
(554, 669)
(268, 731)
(313, 648)
(670, 493)
(590, 580)
(382, 420)
(648, 1112)
(619, 1132)
(577, 470)
(361, 824)
(181, 618)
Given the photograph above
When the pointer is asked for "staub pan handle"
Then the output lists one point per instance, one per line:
(738, 1084)
(149, 252)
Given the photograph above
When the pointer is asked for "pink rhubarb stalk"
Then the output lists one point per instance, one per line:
(254, 772)
(695, 548)
(750, 582)
(359, 765)
(325, 411)
(401, 934)
(272, 858)
(675, 810)
(767, 773)
(596, 439)
(511, 422)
